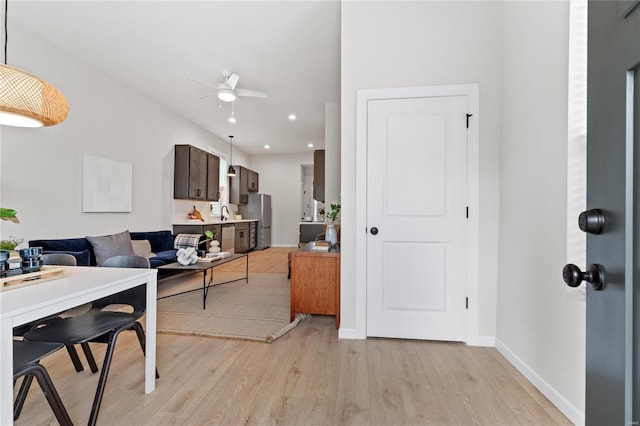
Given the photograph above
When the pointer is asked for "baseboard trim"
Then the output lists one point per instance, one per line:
(485, 341)
(575, 415)
(348, 333)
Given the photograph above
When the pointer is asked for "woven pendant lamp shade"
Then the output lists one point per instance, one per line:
(27, 101)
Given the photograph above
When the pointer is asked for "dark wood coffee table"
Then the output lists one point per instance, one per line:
(204, 267)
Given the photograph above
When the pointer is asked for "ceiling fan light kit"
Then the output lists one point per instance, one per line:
(228, 92)
(226, 95)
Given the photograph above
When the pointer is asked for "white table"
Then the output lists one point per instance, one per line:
(22, 304)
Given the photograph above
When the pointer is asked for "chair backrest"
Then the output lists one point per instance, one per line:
(135, 297)
(127, 261)
(64, 259)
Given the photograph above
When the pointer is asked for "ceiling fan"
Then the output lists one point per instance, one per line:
(227, 91)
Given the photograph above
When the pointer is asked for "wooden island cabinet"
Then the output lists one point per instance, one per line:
(315, 282)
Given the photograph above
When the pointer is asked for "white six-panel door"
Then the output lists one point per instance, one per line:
(417, 198)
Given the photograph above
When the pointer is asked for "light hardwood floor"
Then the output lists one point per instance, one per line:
(306, 377)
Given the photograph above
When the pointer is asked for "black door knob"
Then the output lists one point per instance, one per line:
(573, 276)
(374, 231)
(591, 221)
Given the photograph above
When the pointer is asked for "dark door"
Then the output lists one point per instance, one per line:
(613, 312)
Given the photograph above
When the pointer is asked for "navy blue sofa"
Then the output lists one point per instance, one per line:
(161, 244)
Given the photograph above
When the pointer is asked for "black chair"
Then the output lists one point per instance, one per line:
(26, 363)
(99, 325)
(65, 259)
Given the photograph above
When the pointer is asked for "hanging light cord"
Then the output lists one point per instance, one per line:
(6, 7)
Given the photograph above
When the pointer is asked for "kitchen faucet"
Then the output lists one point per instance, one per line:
(222, 217)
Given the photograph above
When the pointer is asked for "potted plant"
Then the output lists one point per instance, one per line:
(11, 243)
(331, 234)
(210, 236)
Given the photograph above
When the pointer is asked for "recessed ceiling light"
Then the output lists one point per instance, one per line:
(310, 145)
(267, 147)
(232, 120)
(292, 117)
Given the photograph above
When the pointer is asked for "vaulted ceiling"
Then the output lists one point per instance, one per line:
(289, 49)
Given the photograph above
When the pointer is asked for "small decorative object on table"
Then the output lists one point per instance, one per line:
(31, 259)
(321, 246)
(187, 256)
(4, 260)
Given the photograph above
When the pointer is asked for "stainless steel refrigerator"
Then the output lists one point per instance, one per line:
(259, 207)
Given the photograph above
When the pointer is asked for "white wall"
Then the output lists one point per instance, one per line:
(391, 44)
(280, 176)
(517, 52)
(540, 324)
(41, 169)
(332, 152)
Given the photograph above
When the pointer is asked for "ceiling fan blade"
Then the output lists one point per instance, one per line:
(252, 93)
(208, 94)
(232, 80)
(203, 82)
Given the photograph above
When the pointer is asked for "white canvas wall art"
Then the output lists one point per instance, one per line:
(106, 185)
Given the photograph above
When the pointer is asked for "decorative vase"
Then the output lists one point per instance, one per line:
(31, 259)
(330, 234)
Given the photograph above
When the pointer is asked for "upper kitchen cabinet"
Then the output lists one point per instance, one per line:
(196, 174)
(318, 175)
(241, 184)
(252, 184)
(213, 177)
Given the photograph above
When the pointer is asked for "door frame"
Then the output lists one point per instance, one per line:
(363, 96)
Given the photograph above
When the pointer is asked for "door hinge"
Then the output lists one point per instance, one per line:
(468, 116)
(467, 212)
(466, 303)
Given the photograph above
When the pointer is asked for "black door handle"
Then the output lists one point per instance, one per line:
(374, 231)
(591, 221)
(573, 276)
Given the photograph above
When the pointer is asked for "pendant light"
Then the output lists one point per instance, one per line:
(26, 100)
(231, 171)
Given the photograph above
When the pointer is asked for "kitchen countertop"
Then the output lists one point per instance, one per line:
(212, 221)
(304, 222)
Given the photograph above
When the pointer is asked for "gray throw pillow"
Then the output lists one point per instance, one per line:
(107, 246)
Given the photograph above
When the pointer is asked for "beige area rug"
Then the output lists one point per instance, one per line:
(256, 311)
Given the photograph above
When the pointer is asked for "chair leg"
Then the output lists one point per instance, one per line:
(89, 355)
(50, 393)
(141, 338)
(108, 356)
(75, 359)
(22, 396)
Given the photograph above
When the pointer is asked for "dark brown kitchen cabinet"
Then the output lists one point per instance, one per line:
(241, 184)
(243, 237)
(252, 184)
(318, 175)
(213, 177)
(200, 229)
(194, 172)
